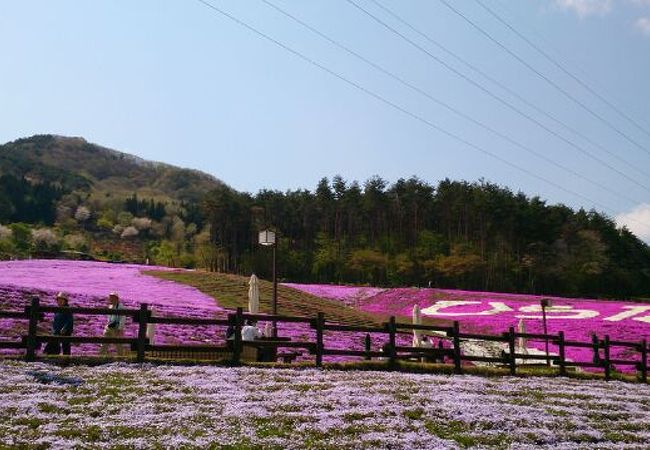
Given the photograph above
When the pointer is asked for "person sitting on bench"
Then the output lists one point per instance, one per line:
(425, 342)
(250, 332)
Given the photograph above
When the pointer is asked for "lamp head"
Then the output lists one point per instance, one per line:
(267, 237)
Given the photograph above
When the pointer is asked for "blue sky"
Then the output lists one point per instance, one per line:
(174, 81)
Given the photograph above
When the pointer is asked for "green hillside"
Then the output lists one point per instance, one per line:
(65, 196)
(231, 291)
(74, 163)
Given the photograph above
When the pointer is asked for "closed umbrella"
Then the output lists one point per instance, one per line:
(151, 329)
(253, 295)
(417, 320)
(521, 328)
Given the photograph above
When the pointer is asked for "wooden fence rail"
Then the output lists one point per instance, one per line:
(391, 352)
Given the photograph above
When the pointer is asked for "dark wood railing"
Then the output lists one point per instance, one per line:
(392, 352)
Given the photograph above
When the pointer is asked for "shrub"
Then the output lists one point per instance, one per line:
(22, 236)
(118, 229)
(76, 242)
(104, 224)
(5, 233)
(124, 218)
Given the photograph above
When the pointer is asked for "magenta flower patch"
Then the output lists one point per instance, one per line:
(494, 313)
(88, 284)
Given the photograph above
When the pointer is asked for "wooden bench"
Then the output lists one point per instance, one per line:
(288, 357)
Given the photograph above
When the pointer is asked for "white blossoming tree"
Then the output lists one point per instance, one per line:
(45, 240)
(129, 232)
(82, 214)
(141, 223)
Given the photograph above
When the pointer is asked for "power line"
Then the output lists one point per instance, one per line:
(496, 97)
(496, 82)
(394, 105)
(578, 64)
(545, 78)
(456, 111)
(561, 67)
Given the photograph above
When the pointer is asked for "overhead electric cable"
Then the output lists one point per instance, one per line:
(573, 60)
(561, 67)
(395, 106)
(501, 85)
(456, 111)
(496, 97)
(545, 78)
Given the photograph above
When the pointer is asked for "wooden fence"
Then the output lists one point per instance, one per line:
(392, 352)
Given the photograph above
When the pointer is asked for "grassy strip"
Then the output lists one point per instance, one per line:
(231, 291)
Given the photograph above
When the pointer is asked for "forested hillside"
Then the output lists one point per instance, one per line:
(64, 194)
(454, 234)
(77, 164)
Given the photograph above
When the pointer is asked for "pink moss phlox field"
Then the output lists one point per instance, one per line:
(88, 284)
(96, 279)
(199, 407)
(400, 302)
(350, 295)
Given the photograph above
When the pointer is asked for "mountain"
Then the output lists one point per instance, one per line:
(73, 164)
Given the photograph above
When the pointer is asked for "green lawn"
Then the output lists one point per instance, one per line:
(231, 291)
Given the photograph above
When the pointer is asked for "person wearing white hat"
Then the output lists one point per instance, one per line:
(115, 325)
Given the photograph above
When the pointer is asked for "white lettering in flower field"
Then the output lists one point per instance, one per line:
(494, 312)
(436, 310)
(631, 312)
(572, 313)
(442, 309)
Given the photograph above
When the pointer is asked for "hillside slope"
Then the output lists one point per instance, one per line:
(232, 291)
(74, 163)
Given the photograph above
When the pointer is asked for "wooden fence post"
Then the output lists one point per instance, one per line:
(511, 346)
(644, 361)
(392, 329)
(143, 321)
(368, 346)
(608, 364)
(320, 324)
(455, 333)
(562, 350)
(30, 354)
(595, 345)
(237, 341)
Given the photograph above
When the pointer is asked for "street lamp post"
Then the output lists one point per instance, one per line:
(545, 303)
(268, 238)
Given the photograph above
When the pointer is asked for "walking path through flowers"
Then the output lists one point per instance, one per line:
(170, 407)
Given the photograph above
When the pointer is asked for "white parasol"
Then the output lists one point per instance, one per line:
(417, 320)
(523, 344)
(253, 295)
